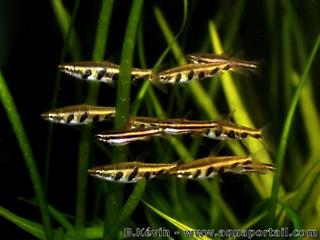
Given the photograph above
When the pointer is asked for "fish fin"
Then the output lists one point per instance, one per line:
(160, 86)
(260, 168)
(217, 149)
(189, 115)
(191, 58)
(249, 68)
(265, 139)
(163, 88)
(230, 115)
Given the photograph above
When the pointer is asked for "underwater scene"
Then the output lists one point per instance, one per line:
(159, 119)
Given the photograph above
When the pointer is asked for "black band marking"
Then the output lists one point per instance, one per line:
(209, 171)
(118, 176)
(95, 118)
(83, 117)
(70, 118)
(190, 75)
(133, 174)
(87, 73)
(101, 74)
(198, 172)
(201, 75)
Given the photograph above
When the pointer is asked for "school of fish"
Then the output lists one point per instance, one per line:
(140, 128)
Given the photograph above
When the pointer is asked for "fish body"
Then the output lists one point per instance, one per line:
(79, 114)
(211, 58)
(130, 172)
(171, 126)
(106, 72)
(219, 130)
(211, 166)
(185, 73)
(124, 137)
(228, 130)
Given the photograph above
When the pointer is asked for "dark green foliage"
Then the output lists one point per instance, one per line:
(153, 34)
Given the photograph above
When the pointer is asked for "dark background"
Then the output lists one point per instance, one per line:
(30, 49)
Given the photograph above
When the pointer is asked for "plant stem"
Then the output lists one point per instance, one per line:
(85, 142)
(285, 134)
(24, 145)
(114, 198)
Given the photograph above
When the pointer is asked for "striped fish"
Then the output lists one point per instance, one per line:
(211, 58)
(185, 73)
(211, 166)
(124, 137)
(171, 126)
(130, 172)
(219, 130)
(229, 130)
(106, 72)
(79, 114)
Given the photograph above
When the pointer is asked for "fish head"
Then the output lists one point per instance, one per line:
(74, 70)
(53, 117)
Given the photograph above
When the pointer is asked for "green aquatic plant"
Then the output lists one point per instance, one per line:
(287, 198)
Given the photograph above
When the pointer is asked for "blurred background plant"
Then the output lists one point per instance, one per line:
(62, 202)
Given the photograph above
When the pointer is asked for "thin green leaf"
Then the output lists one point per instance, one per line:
(113, 200)
(75, 55)
(286, 131)
(306, 187)
(174, 222)
(293, 215)
(85, 142)
(60, 218)
(100, 43)
(241, 116)
(17, 126)
(198, 93)
(128, 208)
(310, 118)
(124, 84)
(225, 209)
(287, 59)
(94, 232)
(201, 97)
(233, 26)
(31, 227)
(252, 222)
(65, 21)
(136, 104)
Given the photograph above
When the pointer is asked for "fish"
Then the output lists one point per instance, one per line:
(79, 114)
(211, 58)
(106, 72)
(171, 126)
(130, 172)
(185, 73)
(126, 136)
(219, 129)
(209, 167)
(229, 130)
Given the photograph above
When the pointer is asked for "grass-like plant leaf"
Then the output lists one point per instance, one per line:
(286, 131)
(201, 97)
(31, 227)
(64, 20)
(136, 104)
(251, 222)
(66, 25)
(128, 208)
(85, 145)
(113, 200)
(174, 222)
(241, 115)
(17, 126)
